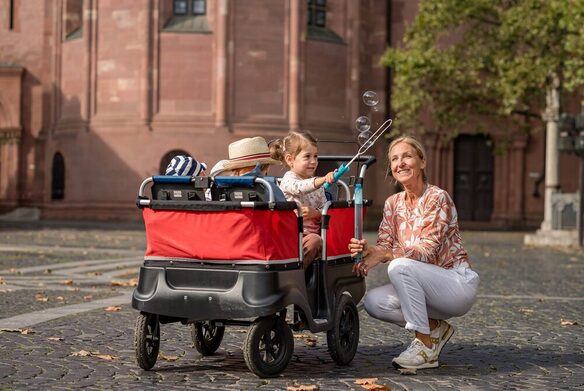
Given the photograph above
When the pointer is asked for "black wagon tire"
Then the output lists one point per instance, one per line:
(147, 340)
(343, 338)
(207, 336)
(268, 346)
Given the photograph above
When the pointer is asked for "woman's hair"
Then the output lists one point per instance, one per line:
(414, 144)
(292, 144)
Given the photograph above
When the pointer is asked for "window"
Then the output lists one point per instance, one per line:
(11, 15)
(73, 19)
(180, 7)
(199, 7)
(317, 13)
(58, 177)
(192, 7)
(185, 16)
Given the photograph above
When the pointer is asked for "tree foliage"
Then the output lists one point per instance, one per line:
(463, 59)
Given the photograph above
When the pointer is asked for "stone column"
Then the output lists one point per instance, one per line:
(552, 117)
(546, 236)
(354, 53)
(221, 60)
(517, 209)
(294, 78)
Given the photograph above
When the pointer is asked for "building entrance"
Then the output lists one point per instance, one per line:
(473, 177)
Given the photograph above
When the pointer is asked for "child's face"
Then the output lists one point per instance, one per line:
(304, 164)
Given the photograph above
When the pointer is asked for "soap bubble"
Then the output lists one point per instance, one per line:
(363, 137)
(363, 124)
(370, 98)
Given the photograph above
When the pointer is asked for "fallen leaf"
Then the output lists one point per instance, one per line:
(6, 290)
(88, 297)
(60, 298)
(107, 357)
(85, 353)
(310, 342)
(74, 289)
(12, 270)
(94, 273)
(41, 297)
(301, 336)
(525, 310)
(2, 281)
(568, 322)
(27, 331)
(68, 282)
(367, 380)
(55, 339)
(167, 358)
(303, 387)
(48, 271)
(376, 387)
(131, 282)
(113, 308)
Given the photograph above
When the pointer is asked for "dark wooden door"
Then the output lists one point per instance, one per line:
(473, 177)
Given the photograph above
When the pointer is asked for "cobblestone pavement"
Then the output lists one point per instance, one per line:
(511, 339)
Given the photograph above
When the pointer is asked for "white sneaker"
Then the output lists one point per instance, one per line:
(440, 335)
(416, 356)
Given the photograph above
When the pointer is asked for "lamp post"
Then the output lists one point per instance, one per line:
(571, 140)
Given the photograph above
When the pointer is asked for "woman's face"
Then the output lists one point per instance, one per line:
(406, 165)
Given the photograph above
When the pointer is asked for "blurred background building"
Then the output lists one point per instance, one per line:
(96, 95)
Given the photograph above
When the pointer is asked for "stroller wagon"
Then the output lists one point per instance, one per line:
(237, 260)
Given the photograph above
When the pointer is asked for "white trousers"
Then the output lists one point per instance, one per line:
(418, 291)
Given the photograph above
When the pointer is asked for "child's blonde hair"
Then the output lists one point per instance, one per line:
(292, 144)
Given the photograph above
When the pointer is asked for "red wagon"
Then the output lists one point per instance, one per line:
(237, 260)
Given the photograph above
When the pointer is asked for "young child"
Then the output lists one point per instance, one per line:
(182, 165)
(299, 152)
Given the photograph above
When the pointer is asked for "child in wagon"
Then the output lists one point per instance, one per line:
(182, 165)
(299, 152)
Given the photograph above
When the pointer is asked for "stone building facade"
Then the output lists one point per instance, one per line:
(96, 95)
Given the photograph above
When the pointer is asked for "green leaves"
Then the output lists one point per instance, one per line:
(463, 59)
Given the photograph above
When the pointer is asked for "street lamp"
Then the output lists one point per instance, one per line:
(571, 140)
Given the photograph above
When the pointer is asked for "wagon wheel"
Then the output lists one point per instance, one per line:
(343, 338)
(268, 346)
(207, 336)
(147, 340)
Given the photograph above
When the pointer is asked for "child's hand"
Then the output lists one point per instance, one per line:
(330, 178)
(309, 213)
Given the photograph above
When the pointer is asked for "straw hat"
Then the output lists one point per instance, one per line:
(249, 152)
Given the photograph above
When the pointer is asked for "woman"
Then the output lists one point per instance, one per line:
(429, 272)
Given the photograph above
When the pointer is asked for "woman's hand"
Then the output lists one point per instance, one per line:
(357, 246)
(369, 261)
(372, 256)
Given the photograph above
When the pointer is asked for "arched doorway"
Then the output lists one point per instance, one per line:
(58, 177)
(473, 177)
